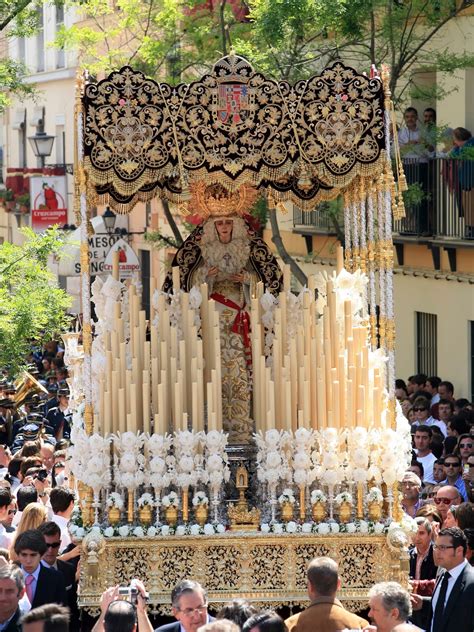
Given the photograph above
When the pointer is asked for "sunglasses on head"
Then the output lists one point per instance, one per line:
(445, 501)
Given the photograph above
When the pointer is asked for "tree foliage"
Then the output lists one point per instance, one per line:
(32, 306)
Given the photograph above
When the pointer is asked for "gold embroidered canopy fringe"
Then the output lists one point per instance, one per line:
(304, 143)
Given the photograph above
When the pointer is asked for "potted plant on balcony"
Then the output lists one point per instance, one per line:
(6, 199)
(23, 201)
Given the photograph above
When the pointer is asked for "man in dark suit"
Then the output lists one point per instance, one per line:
(189, 607)
(451, 608)
(43, 585)
(52, 536)
(12, 589)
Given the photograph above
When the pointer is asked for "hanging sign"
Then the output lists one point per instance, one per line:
(48, 202)
(128, 260)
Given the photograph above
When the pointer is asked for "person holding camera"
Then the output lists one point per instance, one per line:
(124, 609)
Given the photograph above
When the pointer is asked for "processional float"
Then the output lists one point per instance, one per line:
(173, 483)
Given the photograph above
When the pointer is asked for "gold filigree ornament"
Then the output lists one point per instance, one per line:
(214, 200)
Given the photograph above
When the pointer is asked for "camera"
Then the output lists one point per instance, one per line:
(42, 475)
(130, 593)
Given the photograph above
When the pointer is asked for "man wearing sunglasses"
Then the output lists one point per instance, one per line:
(452, 468)
(52, 536)
(445, 498)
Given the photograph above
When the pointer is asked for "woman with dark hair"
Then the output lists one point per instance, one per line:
(266, 621)
(238, 611)
(464, 448)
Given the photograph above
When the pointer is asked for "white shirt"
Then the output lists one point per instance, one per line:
(454, 572)
(5, 537)
(431, 421)
(62, 524)
(412, 153)
(427, 462)
(435, 399)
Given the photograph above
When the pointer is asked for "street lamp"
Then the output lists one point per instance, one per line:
(42, 145)
(109, 218)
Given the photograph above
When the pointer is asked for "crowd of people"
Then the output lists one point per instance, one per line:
(39, 561)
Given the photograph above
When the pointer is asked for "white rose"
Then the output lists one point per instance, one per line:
(330, 460)
(363, 526)
(80, 532)
(350, 527)
(324, 528)
(151, 532)
(123, 531)
(278, 528)
(95, 530)
(291, 527)
(180, 530)
(109, 532)
(273, 459)
(306, 527)
(220, 528)
(186, 463)
(214, 463)
(157, 464)
(128, 440)
(360, 457)
(138, 532)
(300, 477)
(272, 437)
(301, 461)
(128, 480)
(330, 477)
(165, 529)
(265, 528)
(209, 529)
(194, 529)
(379, 527)
(334, 527)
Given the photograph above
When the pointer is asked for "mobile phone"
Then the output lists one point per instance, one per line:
(465, 468)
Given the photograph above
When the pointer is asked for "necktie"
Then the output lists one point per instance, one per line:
(438, 613)
(29, 587)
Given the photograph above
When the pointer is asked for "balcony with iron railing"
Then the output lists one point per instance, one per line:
(439, 205)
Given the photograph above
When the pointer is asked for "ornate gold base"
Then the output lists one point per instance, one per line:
(267, 569)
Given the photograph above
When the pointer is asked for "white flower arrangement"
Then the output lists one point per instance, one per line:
(145, 499)
(343, 497)
(129, 462)
(170, 500)
(200, 499)
(287, 496)
(115, 500)
(318, 496)
(374, 495)
(304, 472)
(90, 459)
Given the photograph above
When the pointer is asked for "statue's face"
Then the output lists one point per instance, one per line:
(224, 229)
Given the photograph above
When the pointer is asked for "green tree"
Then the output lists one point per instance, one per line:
(32, 306)
(294, 38)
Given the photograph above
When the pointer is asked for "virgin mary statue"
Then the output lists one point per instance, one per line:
(227, 253)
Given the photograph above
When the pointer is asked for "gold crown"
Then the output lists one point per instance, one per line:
(214, 200)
